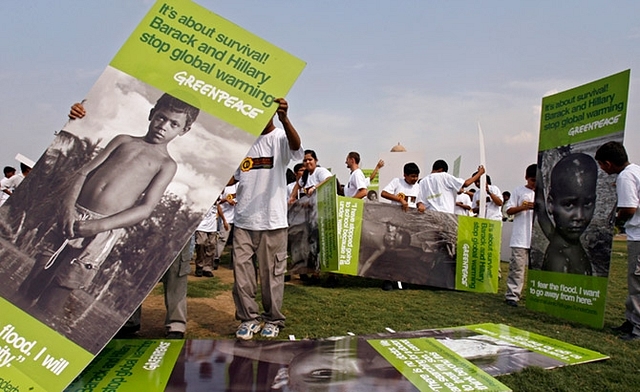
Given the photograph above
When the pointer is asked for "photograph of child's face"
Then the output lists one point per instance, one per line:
(572, 196)
(165, 125)
(332, 367)
(572, 229)
(573, 212)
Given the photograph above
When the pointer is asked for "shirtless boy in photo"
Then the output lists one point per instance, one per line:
(119, 188)
(571, 202)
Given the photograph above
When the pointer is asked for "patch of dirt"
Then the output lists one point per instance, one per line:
(206, 317)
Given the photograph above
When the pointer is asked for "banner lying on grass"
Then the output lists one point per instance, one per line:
(463, 358)
(573, 229)
(131, 365)
(99, 219)
(379, 240)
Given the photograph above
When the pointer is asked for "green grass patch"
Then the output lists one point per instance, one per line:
(202, 288)
(360, 306)
(206, 288)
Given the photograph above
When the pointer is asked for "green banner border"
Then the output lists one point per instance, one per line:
(132, 365)
(478, 254)
(552, 348)
(188, 51)
(430, 365)
(585, 112)
(44, 359)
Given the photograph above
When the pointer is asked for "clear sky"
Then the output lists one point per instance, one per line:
(419, 73)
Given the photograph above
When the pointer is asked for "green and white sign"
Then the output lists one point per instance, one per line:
(586, 112)
(210, 62)
(130, 365)
(431, 366)
(478, 256)
(65, 294)
(566, 353)
(450, 359)
(379, 240)
(573, 231)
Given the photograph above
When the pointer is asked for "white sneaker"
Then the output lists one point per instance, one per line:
(270, 331)
(247, 329)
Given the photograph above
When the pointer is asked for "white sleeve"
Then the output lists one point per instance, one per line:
(627, 189)
(360, 180)
(391, 187)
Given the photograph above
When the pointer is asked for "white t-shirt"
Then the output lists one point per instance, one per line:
(229, 193)
(398, 186)
(317, 177)
(4, 184)
(438, 191)
(522, 221)
(493, 211)
(262, 183)
(356, 182)
(628, 190)
(464, 199)
(209, 223)
(290, 187)
(15, 181)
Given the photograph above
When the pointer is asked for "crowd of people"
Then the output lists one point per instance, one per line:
(250, 215)
(563, 215)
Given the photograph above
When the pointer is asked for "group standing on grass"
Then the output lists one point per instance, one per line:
(254, 205)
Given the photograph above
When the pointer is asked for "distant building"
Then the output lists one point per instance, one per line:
(398, 148)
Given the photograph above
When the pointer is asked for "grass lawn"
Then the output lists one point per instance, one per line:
(360, 306)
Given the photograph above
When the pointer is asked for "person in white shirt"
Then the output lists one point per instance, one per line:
(438, 190)
(5, 183)
(298, 170)
(260, 226)
(520, 206)
(357, 185)
(312, 176)
(493, 208)
(612, 159)
(17, 179)
(463, 204)
(404, 191)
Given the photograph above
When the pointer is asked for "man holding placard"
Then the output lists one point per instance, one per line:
(261, 226)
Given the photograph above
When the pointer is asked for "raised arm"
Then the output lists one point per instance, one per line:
(474, 178)
(379, 165)
(292, 134)
(379, 251)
